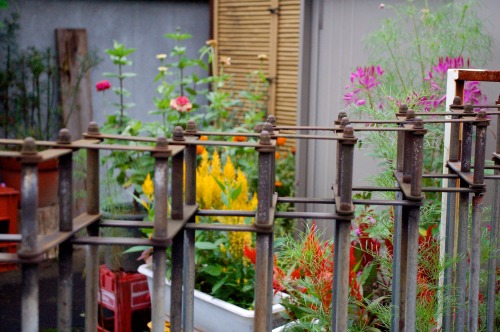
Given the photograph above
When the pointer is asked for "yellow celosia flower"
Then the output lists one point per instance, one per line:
(216, 165)
(148, 188)
(229, 173)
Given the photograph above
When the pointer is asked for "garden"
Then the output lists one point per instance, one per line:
(200, 193)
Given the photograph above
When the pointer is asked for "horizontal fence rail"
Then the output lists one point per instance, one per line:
(175, 162)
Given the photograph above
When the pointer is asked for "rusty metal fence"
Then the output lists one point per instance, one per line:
(465, 179)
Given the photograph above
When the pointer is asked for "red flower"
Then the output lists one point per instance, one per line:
(250, 253)
(181, 104)
(103, 85)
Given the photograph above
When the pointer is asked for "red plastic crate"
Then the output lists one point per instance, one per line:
(9, 199)
(123, 295)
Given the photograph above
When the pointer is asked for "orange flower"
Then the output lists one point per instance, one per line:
(203, 138)
(278, 184)
(293, 149)
(200, 149)
(239, 138)
(277, 155)
(280, 141)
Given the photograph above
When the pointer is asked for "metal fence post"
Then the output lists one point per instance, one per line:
(477, 206)
(417, 148)
(176, 296)
(65, 287)
(495, 221)
(344, 208)
(264, 220)
(463, 225)
(29, 229)
(189, 253)
(160, 235)
(92, 252)
(396, 241)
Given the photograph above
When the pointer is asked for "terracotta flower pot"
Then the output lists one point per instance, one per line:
(48, 179)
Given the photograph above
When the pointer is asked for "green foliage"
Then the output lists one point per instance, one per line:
(412, 40)
(118, 55)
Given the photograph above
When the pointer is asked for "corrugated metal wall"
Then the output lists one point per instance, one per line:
(332, 46)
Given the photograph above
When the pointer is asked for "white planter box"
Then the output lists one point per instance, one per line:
(214, 315)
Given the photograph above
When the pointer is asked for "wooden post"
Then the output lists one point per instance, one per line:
(76, 97)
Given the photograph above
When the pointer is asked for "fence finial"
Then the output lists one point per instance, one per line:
(272, 120)
(265, 138)
(29, 146)
(64, 136)
(93, 129)
(269, 128)
(191, 128)
(178, 134)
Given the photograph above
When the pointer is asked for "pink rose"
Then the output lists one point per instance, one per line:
(103, 85)
(181, 104)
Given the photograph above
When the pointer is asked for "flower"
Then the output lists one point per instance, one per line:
(381, 6)
(200, 149)
(161, 56)
(225, 61)
(239, 138)
(262, 57)
(211, 43)
(162, 69)
(181, 104)
(148, 188)
(103, 85)
(278, 184)
(293, 149)
(280, 141)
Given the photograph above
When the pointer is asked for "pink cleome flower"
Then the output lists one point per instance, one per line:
(103, 85)
(181, 104)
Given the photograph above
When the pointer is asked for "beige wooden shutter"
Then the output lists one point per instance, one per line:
(245, 29)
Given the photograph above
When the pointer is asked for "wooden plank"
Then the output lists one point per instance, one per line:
(75, 97)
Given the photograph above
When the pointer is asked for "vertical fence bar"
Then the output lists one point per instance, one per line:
(29, 230)
(463, 225)
(160, 235)
(178, 240)
(189, 254)
(65, 284)
(477, 206)
(344, 207)
(417, 148)
(404, 228)
(396, 241)
(263, 285)
(492, 261)
(449, 250)
(92, 252)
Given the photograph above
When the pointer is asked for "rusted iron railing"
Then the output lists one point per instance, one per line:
(178, 230)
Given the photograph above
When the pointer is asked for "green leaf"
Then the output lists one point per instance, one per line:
(178, 36)
(136, 249)
(214, 270)
(235, 193)
(205, 245)
(218, 284)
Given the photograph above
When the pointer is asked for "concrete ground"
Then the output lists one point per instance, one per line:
(11, 288)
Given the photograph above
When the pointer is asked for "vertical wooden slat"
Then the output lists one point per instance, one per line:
(273, 56)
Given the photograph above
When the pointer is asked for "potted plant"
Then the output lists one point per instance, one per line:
(224, 270)
(29, 104)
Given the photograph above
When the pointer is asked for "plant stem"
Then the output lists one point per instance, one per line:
(419, 44)
(394, 60)
(120, 79)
